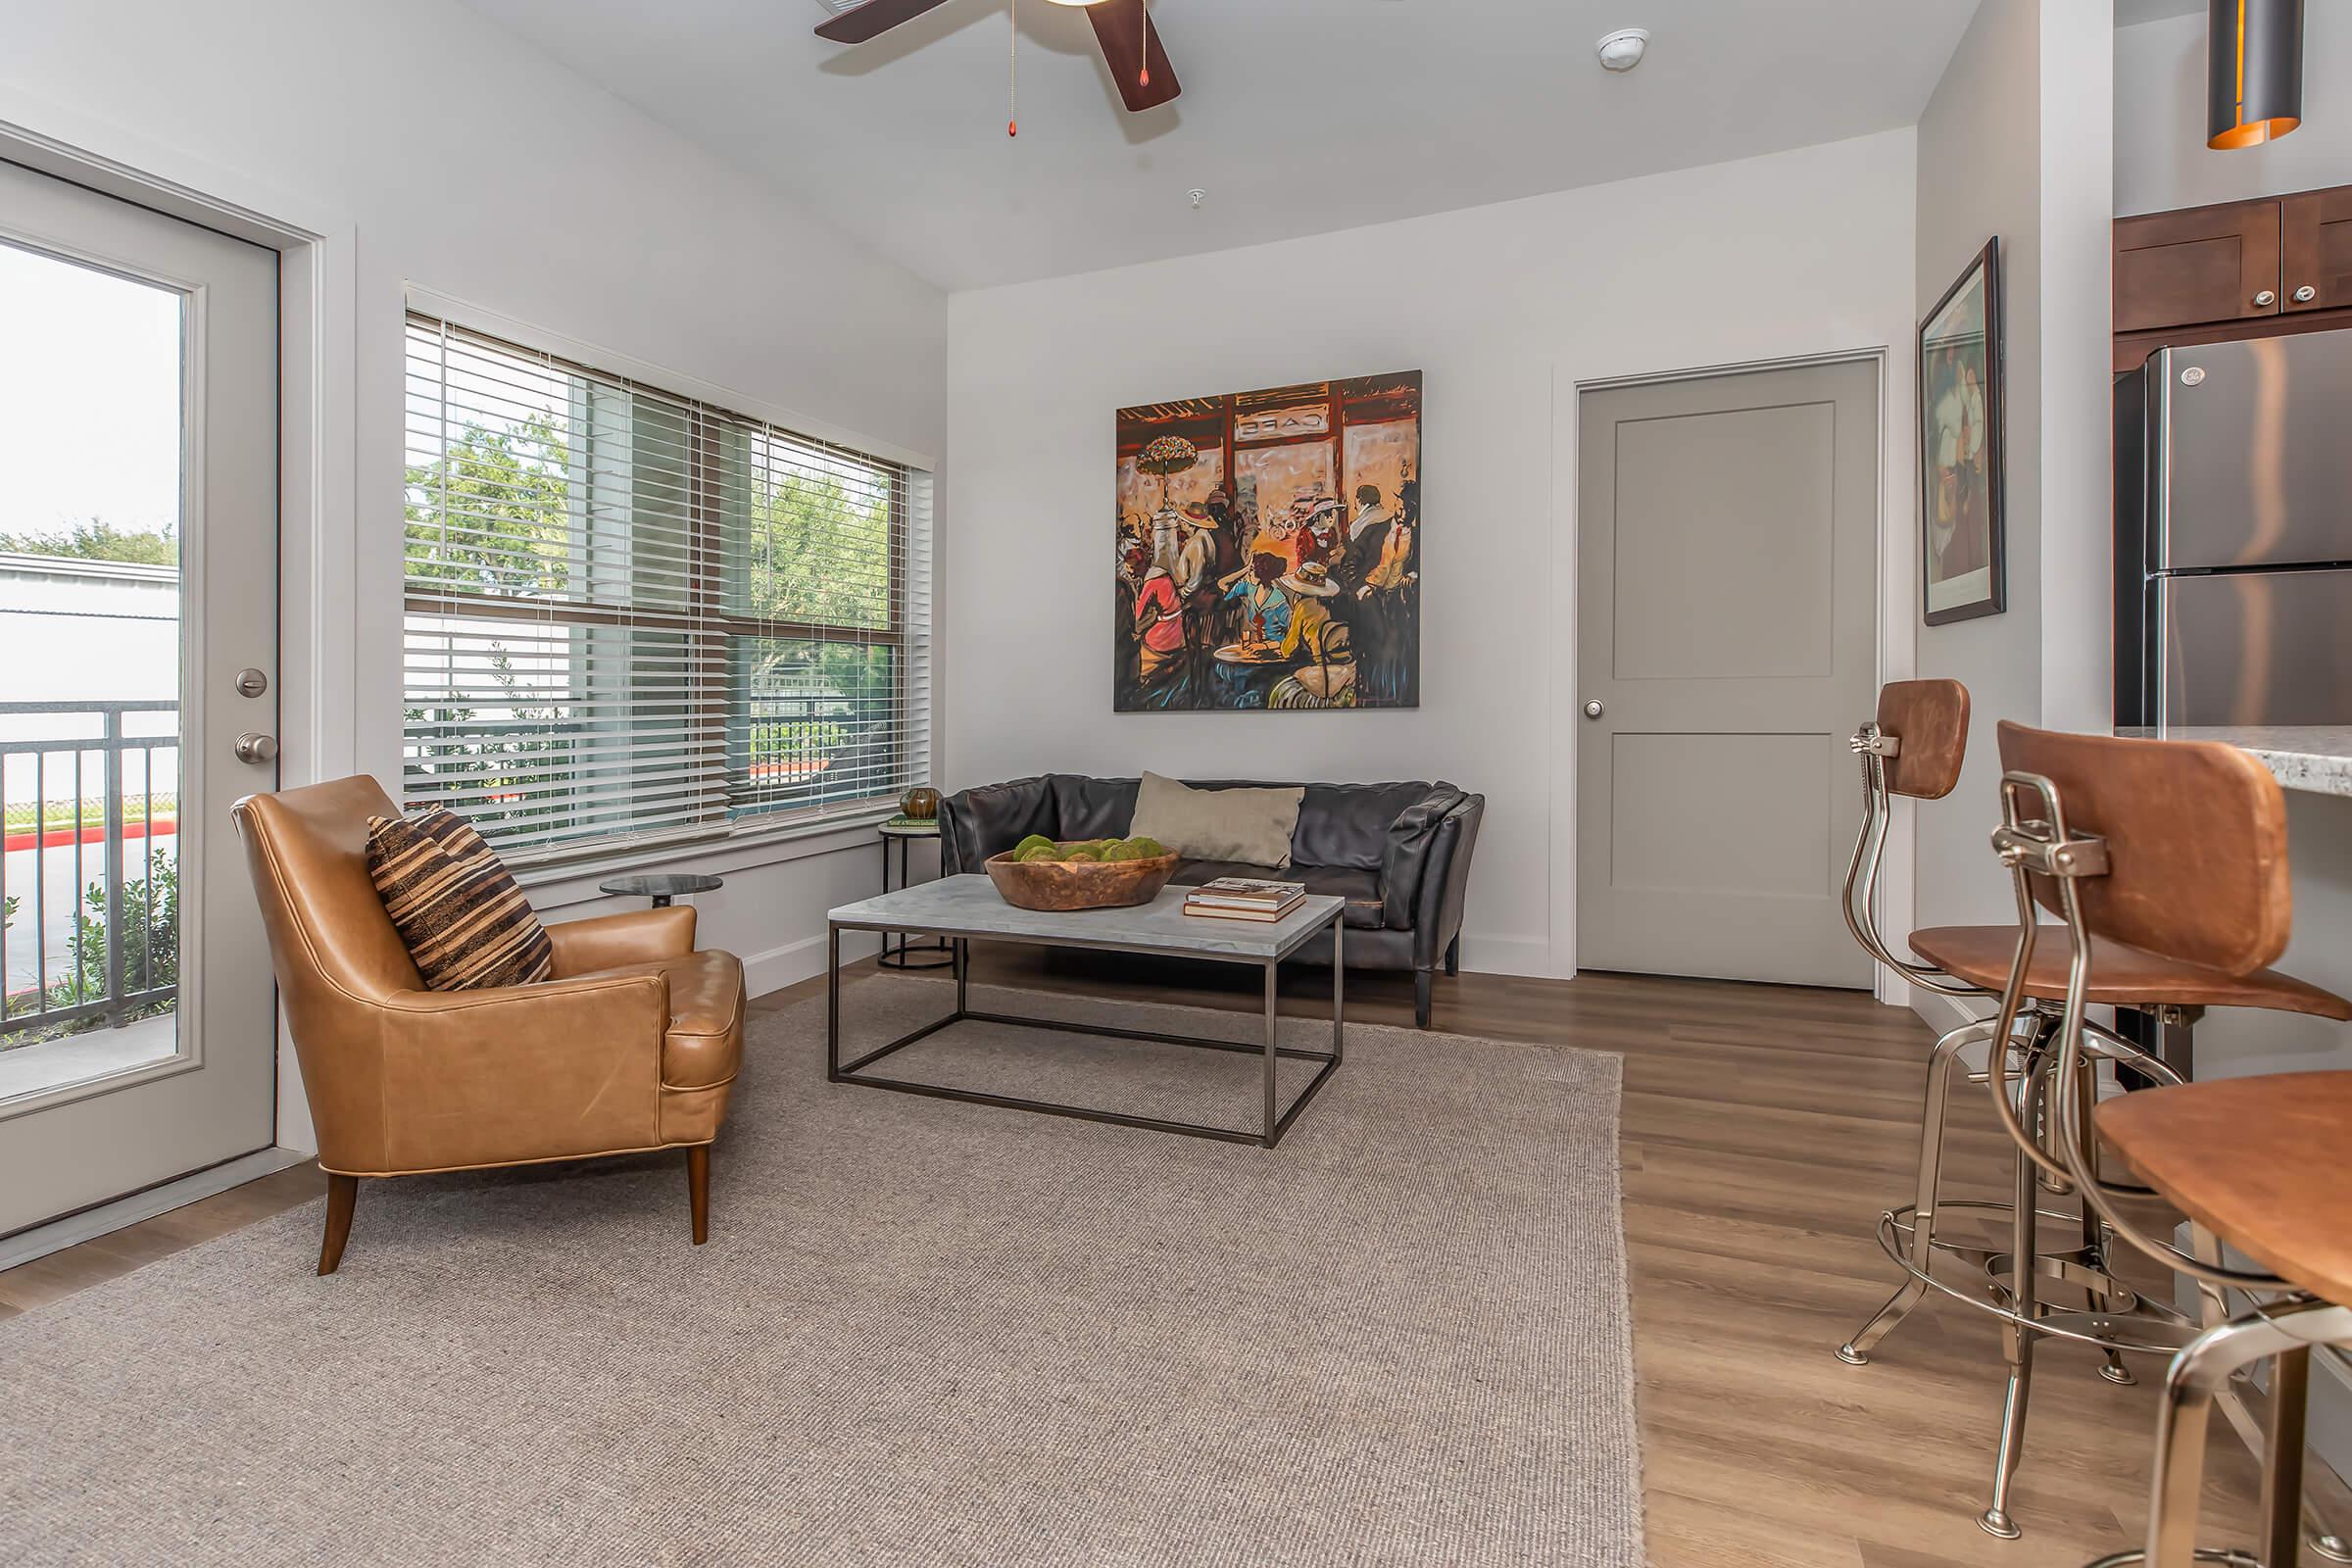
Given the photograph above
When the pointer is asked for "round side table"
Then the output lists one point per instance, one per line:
(661, 887)
(935, 953)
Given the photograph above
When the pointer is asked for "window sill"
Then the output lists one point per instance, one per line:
(558, 887)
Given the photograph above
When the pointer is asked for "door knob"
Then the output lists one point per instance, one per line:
(2306, 294)
(255, 746)
(2266, 297)
(1593, 709)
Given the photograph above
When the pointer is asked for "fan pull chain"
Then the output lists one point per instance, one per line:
(1144, 79)
(1012, 65)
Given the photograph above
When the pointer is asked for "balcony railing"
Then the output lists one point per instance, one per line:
(89, 880)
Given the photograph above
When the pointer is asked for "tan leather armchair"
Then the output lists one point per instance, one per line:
(631, 1044)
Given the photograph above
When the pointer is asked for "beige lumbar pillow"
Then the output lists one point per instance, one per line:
(1252, 825)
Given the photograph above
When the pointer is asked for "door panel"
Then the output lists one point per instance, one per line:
(138, 487)
(2316, 229)
(1748, 600)
(1726, 561)
(1739, 814)
(2207, 264)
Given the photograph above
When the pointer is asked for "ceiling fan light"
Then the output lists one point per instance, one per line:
(2253, 72)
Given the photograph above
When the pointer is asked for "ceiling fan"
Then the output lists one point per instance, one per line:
(1123, 27)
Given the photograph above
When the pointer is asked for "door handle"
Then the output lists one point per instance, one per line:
(2306, 294)
(1593, 709)
(255, 746)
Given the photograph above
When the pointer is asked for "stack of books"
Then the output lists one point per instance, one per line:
(1243, 897)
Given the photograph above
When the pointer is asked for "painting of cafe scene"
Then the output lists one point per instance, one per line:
(1269, 548)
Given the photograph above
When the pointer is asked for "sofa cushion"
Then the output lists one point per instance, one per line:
(467, 925)
(1092, 808)
(1347, 824)
(1232, 823)
(1362, 889)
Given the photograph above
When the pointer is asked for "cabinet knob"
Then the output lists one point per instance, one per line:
(2306, 294)
(2266, 297)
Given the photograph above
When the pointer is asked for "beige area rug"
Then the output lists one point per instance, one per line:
(922, 1332)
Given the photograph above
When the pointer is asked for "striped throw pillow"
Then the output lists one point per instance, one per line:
(466, 924)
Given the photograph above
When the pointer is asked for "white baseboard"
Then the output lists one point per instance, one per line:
(775, 968)
(72, 1230)
(1518, 956)
(1938, 1012)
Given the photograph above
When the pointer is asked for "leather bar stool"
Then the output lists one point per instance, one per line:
(2166, 863)
(1915, 747)
(2261, 1166)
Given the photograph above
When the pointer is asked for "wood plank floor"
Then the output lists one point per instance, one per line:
(1764, 1129)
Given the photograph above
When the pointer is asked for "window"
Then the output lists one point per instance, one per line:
(634, 617)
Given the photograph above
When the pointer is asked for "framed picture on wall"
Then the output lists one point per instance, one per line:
(1268, 550)
(1963, 544)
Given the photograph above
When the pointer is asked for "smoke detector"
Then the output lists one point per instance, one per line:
(1623, 49)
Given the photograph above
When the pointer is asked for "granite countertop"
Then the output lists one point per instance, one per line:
(2313, 758)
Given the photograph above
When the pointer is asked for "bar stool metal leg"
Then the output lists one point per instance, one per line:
(2283, 1458)
(2016, 1347)
(2283, 1334)
(1856, 1351)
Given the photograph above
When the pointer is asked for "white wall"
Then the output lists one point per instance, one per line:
(1505, 308)
(474, 166)
(1979, 174)
(2015, 142)
(471, 166)
(2077, 396)
(2161, 159)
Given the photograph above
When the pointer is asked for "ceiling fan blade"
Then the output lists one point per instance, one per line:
(874, 18)
(1124, 29)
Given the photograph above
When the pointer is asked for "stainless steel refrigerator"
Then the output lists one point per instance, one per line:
(2233, 591)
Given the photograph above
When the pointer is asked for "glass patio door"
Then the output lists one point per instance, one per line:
(138, 633)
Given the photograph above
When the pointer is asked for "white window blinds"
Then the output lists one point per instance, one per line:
(634, 617)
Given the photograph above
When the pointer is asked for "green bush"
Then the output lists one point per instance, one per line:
(150, 951)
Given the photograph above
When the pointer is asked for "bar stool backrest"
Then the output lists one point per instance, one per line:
(2195, 838)
(1928, 721)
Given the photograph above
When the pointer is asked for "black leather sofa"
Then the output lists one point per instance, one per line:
(1398, 854)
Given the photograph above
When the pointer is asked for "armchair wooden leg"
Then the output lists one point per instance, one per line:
(1453, 955)
(698, 1189)
(1421, 984)
(342, 1191)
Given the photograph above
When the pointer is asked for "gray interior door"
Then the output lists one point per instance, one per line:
(1727, 532)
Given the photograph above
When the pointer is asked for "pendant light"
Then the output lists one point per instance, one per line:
(2253, 72)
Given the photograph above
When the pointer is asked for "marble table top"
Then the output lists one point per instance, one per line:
(969, 905)
(2316, 759)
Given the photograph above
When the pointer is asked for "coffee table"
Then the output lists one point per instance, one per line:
(968, 908)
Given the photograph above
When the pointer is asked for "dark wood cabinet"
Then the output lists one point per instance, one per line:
(2316, 245)
(2236, 269)
(2207, 264)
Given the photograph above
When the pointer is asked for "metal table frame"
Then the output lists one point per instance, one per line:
(1275, 1121)
(934, 954)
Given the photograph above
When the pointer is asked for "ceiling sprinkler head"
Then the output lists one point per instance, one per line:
(1197, 196)
(1623, 49)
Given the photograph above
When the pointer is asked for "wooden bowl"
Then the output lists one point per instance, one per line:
(1079, 884)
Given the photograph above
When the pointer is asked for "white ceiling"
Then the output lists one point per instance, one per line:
(1297, 116)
